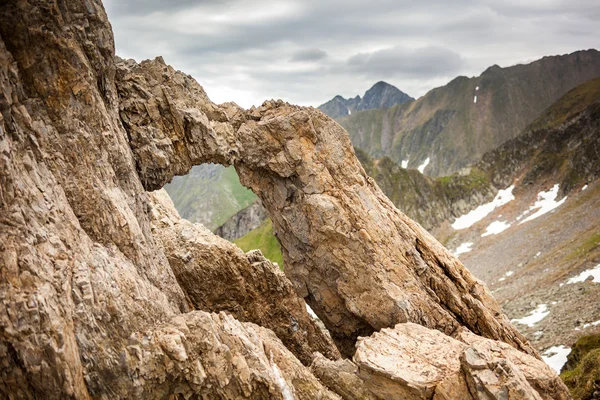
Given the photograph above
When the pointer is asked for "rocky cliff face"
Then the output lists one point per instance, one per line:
(454, 125)
(109, 294)
(381, 95)
(243, 222)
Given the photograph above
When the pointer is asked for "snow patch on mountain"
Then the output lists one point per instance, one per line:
(582, 277)
(495, 228)
(545, 203)
(556, 357)
(464, 248)
(502, 197)
(422, 167)
(534, 316)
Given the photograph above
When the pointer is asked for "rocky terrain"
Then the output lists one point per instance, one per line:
(381, 95)
(108, 293)
(453, 126)
(525, 264)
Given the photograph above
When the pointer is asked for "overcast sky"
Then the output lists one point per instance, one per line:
(307, 51)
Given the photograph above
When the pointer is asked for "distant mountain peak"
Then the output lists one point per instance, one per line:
(380, 95)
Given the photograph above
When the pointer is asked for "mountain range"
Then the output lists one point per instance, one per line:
(452, 126)
(381, 95)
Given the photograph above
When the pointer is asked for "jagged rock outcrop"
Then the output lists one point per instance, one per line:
(100, 304)
(243, 222)
(411, 361)
(217, 276)
(91, 307)
(359, 263)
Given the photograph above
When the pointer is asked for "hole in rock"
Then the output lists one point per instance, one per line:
(212, 195)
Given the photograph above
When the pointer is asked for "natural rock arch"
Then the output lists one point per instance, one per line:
(360, 263)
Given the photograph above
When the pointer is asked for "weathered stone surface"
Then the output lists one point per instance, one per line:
(243, 222)
(217, 276)
(413, 362)
(359, 263)
(341, 376)
(91, 307)
(539, 375)
(215, 356)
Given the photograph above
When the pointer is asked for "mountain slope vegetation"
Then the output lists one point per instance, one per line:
(209, 194)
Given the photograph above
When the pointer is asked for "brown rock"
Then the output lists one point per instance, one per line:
(217, 276)
(413, 362)
(341, 376)
(215, 356)
(92, 306)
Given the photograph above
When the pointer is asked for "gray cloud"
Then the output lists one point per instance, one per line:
(425, 62)
(307, 51)
(309, 55)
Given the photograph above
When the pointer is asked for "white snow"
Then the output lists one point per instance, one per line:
(545, 203)
(405, 163)
(595, 323)
(539, 253)
(475, 99)
(422, 167)
(509, 273)
(584, 187)
(495, 228)
(593, 272)
(534, 316)
(349, 112)
(476, 215)
(311, 312)
(477, 88)
(502, 279)
(556, 357)
(464, 248)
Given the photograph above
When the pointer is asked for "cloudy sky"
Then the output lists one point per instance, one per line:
(307, 51)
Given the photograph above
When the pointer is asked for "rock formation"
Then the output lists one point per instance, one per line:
(217, 276)
(357, 261)
(107, 294)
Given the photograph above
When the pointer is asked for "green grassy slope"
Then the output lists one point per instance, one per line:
(262, 238)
